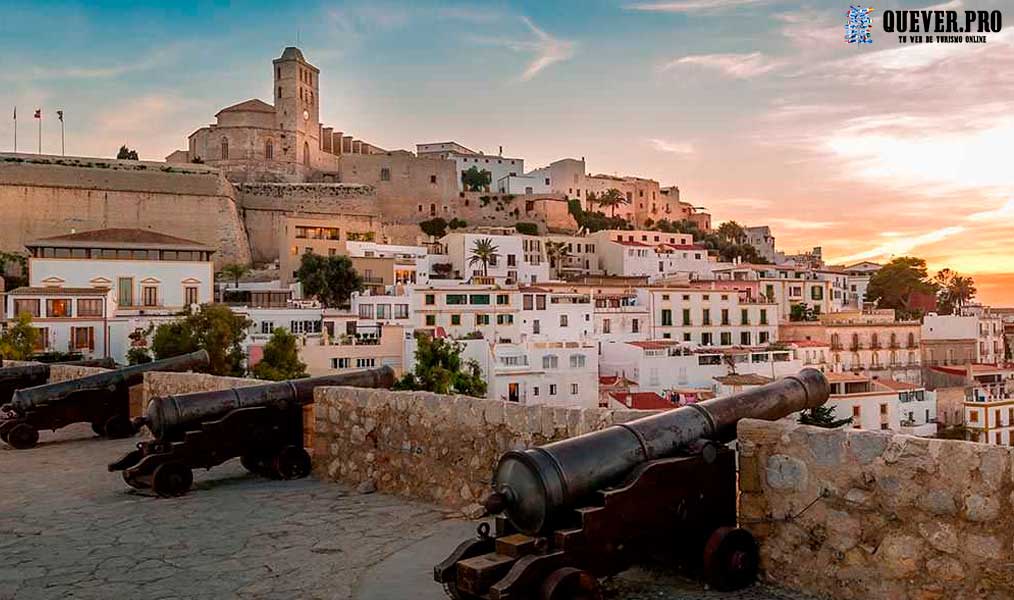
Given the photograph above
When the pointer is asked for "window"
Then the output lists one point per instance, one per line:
(540, 302)
(563, 320)
(512, 260)
(725, 316)
(269, 150)
(552, 389)
(764, 316)
(635, 326)
(503, 299)
(58, 307)
(306, 154)
(383, 311)
(482, 299)
(744, 317)
(762, 337)
(973, 416)
(89, 307)
(706, 339)
(536, 326)
(431, 320)
(481, 320)
(456, 299)
(31, 307)
(527, 302)
(341, 363)
(535, 391)
(577, 361)
(706, 316)
(505, 319)
(455, 319)
(385, 174)
(366, 363)
(606, 326)
(42, 340)
(125, 294)
(82, 338)
(744, 338)
(817, 293)
(433, 178)
(573, 389)
(401, 311)
(667, 317)
(304, 326)
(149, 295)
(225, 149)
(431, 299)
(726, 338)
(190, 295)
(686, 317)
(267, 327)
(550, 361)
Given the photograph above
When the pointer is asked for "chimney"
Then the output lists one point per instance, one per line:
(501, 150)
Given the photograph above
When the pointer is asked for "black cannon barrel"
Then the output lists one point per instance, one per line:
(168, 412)
(26, 398)
(533, 486)
(103, 363)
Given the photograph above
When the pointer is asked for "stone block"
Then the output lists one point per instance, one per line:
(749, 474)
(981, 508)
(899, 555)
(984, 546)
(786, 473)
(938, 502)
(493, 412)
(867, 446)
(945, 569)
(941, 535)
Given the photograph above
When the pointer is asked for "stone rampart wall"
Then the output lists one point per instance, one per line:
(66, 372)
(164, 384)
(850, 514)
(440, 449)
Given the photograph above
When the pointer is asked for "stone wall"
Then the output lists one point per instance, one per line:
(440, 449)
(49, 195)
(164, 384)
(67, 372)
(850, 514)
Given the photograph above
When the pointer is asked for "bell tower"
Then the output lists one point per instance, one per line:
(297, 102)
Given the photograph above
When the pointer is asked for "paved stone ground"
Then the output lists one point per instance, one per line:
(70, 529)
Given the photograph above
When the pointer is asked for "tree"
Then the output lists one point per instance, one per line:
(612, 198)
(436, 227)
(557, 254)
(19, 340)
(281, 358)
(527, 228)
(439, 368)
(126, 153)
(330, 279)
(955, 290)
(213, 328)
(475, 180)
(731, 232)
(822, 416)
(9, 258)
(895, 284)
(484, 252)
(139, 352)
(803, 312)
(594, 221)
(235, 272)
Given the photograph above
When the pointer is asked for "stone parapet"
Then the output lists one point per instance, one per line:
(440, 449)
(158, 384)
(851, 514)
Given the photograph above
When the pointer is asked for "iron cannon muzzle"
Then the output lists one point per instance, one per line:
(533, 487)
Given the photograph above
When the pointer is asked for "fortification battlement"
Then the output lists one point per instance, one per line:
(280, 190)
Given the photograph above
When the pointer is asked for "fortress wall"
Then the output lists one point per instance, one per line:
(856, 515)
(435, 448)
(45, 195)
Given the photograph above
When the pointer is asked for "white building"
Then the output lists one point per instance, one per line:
(412, 263)
(651, 254)
(788, 286)
(700, 317)
(977, 327)
(523, 184)
(565, 176)
(498, 166)
(761, 239)
(666, 366)
(89, 291)
(520, 258)
(883, 404)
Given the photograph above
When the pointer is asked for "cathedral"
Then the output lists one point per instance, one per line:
(284, 141)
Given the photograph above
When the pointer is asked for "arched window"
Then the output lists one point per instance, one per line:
(894, 340)
(835, 341)
(855, 341)
(225, 148)
(306, 153)
(269, 150)
(875, 341)
(911, 340)
(433, 209)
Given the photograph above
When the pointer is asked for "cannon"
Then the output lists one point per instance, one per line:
(13, 378)
(261, 424)
(102, 399)
(661, 487)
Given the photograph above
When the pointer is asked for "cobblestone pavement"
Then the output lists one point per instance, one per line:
(70, 529)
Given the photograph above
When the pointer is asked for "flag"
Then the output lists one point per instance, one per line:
(38, 113)
(59, 115)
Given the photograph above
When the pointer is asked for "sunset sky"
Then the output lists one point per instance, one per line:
(757, 109)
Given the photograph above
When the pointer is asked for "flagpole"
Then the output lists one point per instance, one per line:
(63, 147)
(15, 130)
(40, 133)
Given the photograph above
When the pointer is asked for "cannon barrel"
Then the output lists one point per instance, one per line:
(25, 399)
(167, 412)
(533, 487)
(102, 363)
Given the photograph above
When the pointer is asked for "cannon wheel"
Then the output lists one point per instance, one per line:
(6, 426)
(253, 463)
(292, 462)
(22, 436)
(172, 479)
(731, 559)
(568, 583)
(132, 481)
(117, 427)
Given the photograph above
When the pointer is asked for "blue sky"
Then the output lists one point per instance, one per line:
(757, 109)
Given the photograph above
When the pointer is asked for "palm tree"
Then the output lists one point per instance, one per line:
(955, 290)
(235, 272)
(485, 252)
(557, 253)
(612, 198)
(732, 232)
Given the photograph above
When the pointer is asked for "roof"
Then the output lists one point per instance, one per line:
(899, 386)
(630, 243)
(119, 238)
(642, 400)
(252, 105)
(685, 246)
(654, 345)
(806, 343)
(58, 291)
(292, 53)
(743, 379)
(977, 369)
(609, 380)
(845, 378)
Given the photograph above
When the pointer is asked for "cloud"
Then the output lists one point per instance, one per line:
(158, 57)
(688, 6)
(546, 49)
(801, 223)
(740, 66)
(672, 147)
(900, 246)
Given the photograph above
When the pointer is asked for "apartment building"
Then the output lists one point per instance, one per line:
(67, 319)
(518, 258)
(787, 286)
(704, 318)
(323, 236)
(975, 336)
(498, 166)
(883, 404)
(463, 311)
(653, 254)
